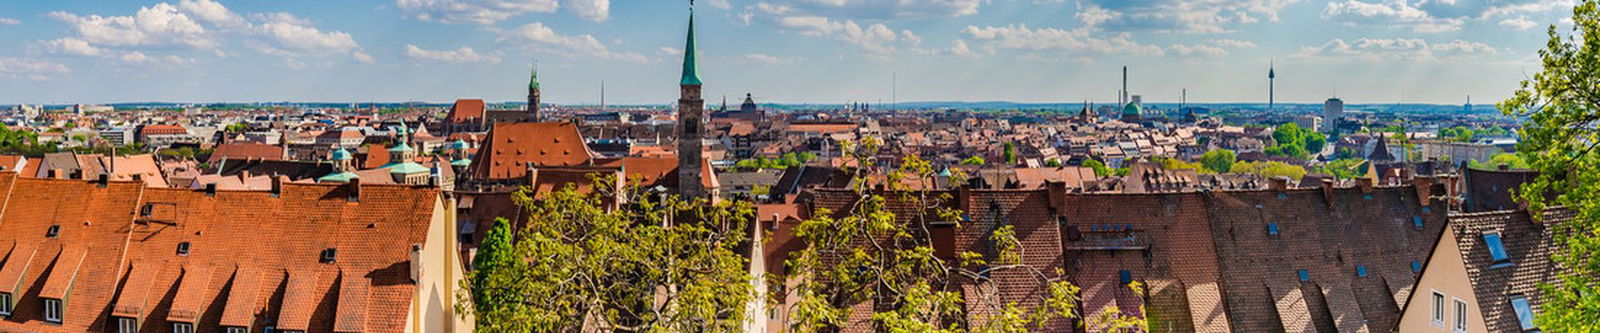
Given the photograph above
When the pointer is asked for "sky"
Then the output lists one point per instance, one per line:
(780, 51)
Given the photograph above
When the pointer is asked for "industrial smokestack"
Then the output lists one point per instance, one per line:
(1122, 99)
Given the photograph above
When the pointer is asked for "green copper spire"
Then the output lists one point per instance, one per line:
(691, 67)
(533, 78)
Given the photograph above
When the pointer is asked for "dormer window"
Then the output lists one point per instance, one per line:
(1497, 250)
(127, 325)
(52, 311)
(236, 330)
(6, 304)
(1416, 222)
(182, 328)
(52, 231)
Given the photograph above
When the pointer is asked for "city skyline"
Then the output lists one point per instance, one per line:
(798, 51)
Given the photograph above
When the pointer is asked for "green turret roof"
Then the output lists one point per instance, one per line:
(406, 168)
(337, 177)
(341, 155)
(691, 67)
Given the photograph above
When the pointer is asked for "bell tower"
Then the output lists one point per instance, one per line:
(533, 95)
(691, 122)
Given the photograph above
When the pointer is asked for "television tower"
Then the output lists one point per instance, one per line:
(1272, 80)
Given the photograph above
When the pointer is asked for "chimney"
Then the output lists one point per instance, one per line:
(277, 186)
(102, 180)
(1280, 183)
(1058, 193)
(1327, 191)
(211, 189)
(1424, 186)
(417, 267)
(353, 190)
(1365, 184)
(533, 176)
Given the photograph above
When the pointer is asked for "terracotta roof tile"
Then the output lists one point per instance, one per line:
(135, 290)
(243, 297)
(354, 295)
(192, 295)
(63, 273)
(512, 147)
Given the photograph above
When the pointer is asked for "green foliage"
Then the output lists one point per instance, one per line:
(974, 160)
(867, 252)
(1124, 171)
(1559, 142)
(1220, 160)
(1269, 169)
(1100, 169)
(656, 265)
(1177, 164)
(1457, 134)
(1295, 142)
(495, 258)
(782, 162)
(1512, 160)
(22, 142)
(1010, 153)
(1342, 168)
(1053, 163)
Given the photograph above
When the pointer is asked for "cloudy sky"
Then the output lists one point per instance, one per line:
(822, 51)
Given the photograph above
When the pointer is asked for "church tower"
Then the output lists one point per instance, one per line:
(533, 95)
(691, 122)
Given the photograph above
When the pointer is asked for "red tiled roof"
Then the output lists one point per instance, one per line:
(240, 151)
(466, 109)
(512, 147)
(227, 278)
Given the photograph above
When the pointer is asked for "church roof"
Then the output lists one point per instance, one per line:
(533, 79)
(691, 65)
(338, 177)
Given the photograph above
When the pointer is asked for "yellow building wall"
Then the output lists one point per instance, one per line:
(1447, 274)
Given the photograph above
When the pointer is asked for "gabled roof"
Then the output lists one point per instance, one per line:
(466, 110)
(241, 151)
(512, 147)
(1529, 245)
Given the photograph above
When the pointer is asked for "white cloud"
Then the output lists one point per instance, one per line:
(872, 9)
(957, 48)
(362, 57)
(761, 58)
(1198, 50)
(196, 25)
(1020, 37)
(473, 11)
(1518, 23)
(1182, 16)
(461, 56)
(9, 21)
(1389, 13)
(73, 46)
(1234, 43)
(160, 25)
(595, 10)
(30, 69)
(1395, 49)
(546, 39)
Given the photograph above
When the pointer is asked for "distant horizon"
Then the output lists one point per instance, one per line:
(732, 104)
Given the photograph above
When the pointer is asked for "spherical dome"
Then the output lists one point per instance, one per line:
(1132, 109)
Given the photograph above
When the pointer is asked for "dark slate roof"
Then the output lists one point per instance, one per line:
(1528, 244)
(293, 169)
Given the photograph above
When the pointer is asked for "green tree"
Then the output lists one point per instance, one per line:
(657, 264)
(1341, 168)
(974, 160)
(1269, 169)
(1100, 169)
(1559, 140)
(1220, 160)
(495, 258)
(867, 252)
(1053, 163)
(1510, 160)
(1010, 153)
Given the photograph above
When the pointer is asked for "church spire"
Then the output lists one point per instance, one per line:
(691, 65)
(533, 77)
(534, 94)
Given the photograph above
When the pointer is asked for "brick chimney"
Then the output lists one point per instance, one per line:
(1058, 193)
(353, 190)
(1327, 191)
(277, 186)
(1365, 184)
(1280, 183)
(1424, 187)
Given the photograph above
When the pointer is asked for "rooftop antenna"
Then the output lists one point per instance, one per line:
(1183, 99)
(1122, 96)
(602, 94)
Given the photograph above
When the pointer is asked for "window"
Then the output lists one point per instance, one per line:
(127, 325)
(52, 231)
(1416, 266)
(329, 254)
(1361, 271)
(52, 311)
(1416, 222)
(237, 330)
(1272, 229)
(1125, 276)
(1519, 304)
(1497, 250)
(1461, 316)
(1304, 275)
(5, 304)
(1438, 309)
(183, 249)
(182, 328)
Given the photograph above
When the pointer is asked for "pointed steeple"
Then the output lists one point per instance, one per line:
(533, 77)
(691, 66)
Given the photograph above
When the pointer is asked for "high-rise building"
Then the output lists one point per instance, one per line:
(1332, 110)
(691, 121)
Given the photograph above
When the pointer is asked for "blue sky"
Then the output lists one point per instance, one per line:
(819, 51)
